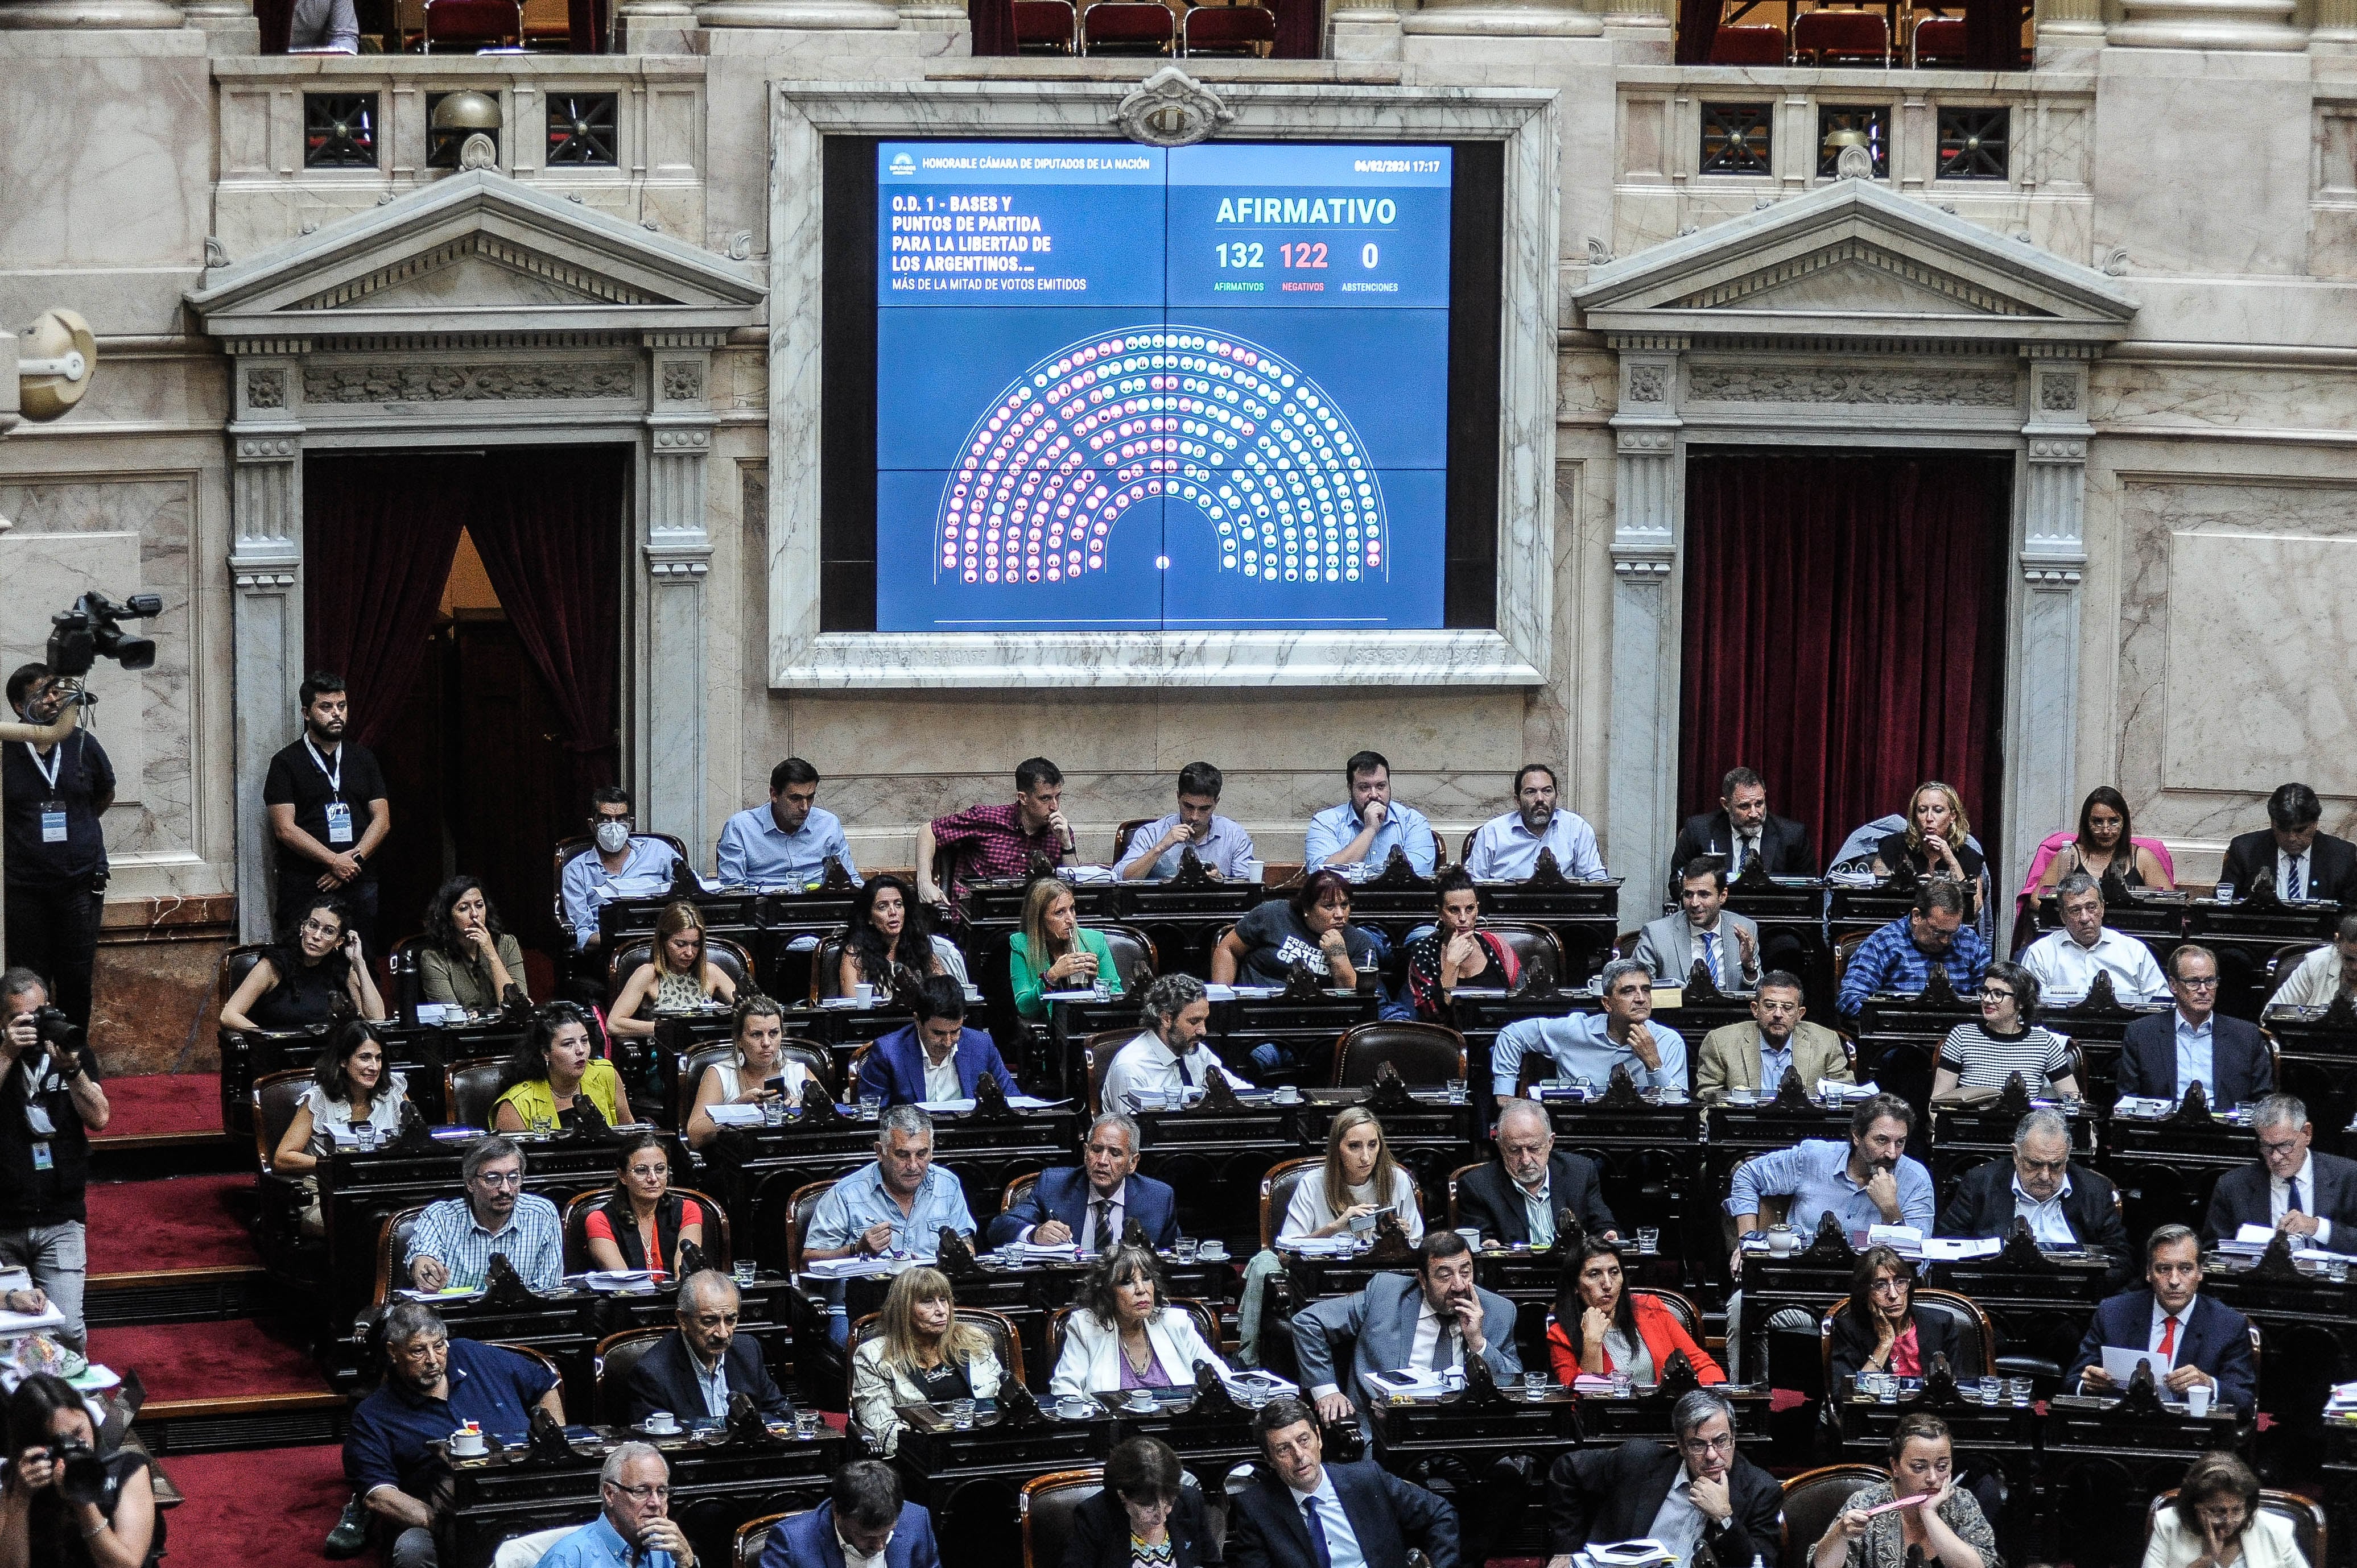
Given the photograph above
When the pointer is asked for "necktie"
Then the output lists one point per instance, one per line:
(1440, 1359)
(1710, 952)
(1317, 1532)
(2168, 1340)
(1746, 847)
(2292, 1203)
(1185, 1077)
(2291, 877)
(1104, 1223)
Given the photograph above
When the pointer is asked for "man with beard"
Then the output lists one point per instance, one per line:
(327, 810)
(1506, 848)
(451, 1247)
(1778, 1040)
(1426, 1321)
(434, 1385)
(1744, 830)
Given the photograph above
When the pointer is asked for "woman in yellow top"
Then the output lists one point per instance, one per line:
(553, 1071)
(1051, 952)
(679, 975)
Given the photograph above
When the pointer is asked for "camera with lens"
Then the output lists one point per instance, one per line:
(93, 630)
(54, 1028)
(82, 1473)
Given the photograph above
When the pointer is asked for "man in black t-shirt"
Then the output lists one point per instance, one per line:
(53, 797)
(327, 810)
(49, 1102)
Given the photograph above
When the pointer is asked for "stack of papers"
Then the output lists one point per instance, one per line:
(437, 1013)
(13, 1323)
(2342, 1401)
(2143, 1107)
(851, 1268)
(1903, 1240)
(958, 1107)
(1340, 1246)
(1956, 1249)
(1410, 1384)
(1591, 1383)
(730, 1115)
(2250, 1240)
(1833, 1093)
(1630, 1554)
(616, 1280)
(1035, 1252)
(1086, 994)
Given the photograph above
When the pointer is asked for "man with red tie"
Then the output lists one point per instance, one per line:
(2201, 1343)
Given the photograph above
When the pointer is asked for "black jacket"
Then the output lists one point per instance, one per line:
(1489, 1198)
(1612, 1494)
(1100, 1537)
(2330, 871)
(1853, 1342)
(2242, 1198)
(2238, 1059)
(664, 1379)
(1981, 1204)
(1783, 844)
(1388, 1516)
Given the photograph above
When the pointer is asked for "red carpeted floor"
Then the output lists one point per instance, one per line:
(164, 1103)
(186, 1223)
(234, 1358)
(263, 1506)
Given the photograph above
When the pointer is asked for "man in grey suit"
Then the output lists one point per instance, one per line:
(1427, 1321)
(1705, 929)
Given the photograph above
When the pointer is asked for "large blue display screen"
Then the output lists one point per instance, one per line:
(1129, 388)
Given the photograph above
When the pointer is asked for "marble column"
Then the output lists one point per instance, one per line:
(1648, 489)
(819, 15)
(89, 14)
(2208, 25)
(1364, 29)
(2041, 750)
(266, 562)
(1503, 18)
(679, 558)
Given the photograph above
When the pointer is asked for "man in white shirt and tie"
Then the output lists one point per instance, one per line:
(1170, 1056)
(1302, 1513)
(2067, 961)
(2198, 1342)
(1506, 848)
(2311, 1198)
(1703, 931)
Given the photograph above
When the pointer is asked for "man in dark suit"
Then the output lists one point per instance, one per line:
(2200, 1342)
(910, 1065)
(2308, 1194)
(1701, 1491)
(862, 1514)
(1093, 1203)
(2160, 1056)
(1742, 829)
(2067, 1204)
(2291, 852)
(694, 1369)
(1301, 1512)
(1515, 1198)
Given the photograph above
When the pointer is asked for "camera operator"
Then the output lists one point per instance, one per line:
(49, 1101)
(53, 794)
(65, 1503)
(327, 812)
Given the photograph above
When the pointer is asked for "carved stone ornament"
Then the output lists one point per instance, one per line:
(479, 151)
(990, 1102)
(2013, 1099)
(2057, 393)
(1791, 1094)
(1041, 866)
(503, 1287)
(465, 383)
(1481, 1390)
(1018, 1407)
(416, 1137)
(1854, 163)
(1621, 1089)
(1803, 383)
(1754, 878)
(1938, 991)
(1902, 878)
(1390, 1094)
(2022, 1250)
(1598, 252)
(2276, 1263)
(2194, 1108)
(1211, 1396)
(1300, 985)
(1647, 384)
(1939, 1390)
(744, 1423)
(693, 1258)
(1191, 872)
(1219, 1094)
(682, 380)
(1702, 986)
(547, 1444)
(265, 389)
(1171, 109)
(833, 879)
(1538, 975)
(1133, 1233)
(1397, 873)
(1678, 1378)
(2141, 1399)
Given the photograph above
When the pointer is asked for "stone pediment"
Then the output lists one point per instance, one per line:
(478, 253)
(1851, 261)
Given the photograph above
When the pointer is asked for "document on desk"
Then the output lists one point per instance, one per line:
(1904, 1240)
(730, 1115)
(2122, 1363)
(15, 1323)
(1956, 1249)
(960, 1107)
(849, 1268)
(1410, 1383)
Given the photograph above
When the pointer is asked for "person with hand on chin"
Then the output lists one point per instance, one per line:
(1703, 1492)
(634, 1528)
(1946, 1525)
(994, 842)
(1435, 1318)
(2217, 1523)
(467, 957)
(318, 971)
(1364, 830)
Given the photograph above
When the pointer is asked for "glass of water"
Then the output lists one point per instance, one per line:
(1648, 1240)
(962, 1414)
(806, 1424)
(364, 1135)
(1623, 1385)
(1992, 1391)
(1456, 1091)
(871, 1105)
(1186, 1249)
(746, 1270)
(1534, 1384)
(2018, 1388)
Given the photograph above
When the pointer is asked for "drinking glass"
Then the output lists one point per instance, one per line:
(1534, 1384)
(1456, 1091)
(962, 1414)
(746, 1270)
(364, 1135)
(2018, 1388)
(806, 1423)
(1992, 1391)
(773, 1112)
(1623, 1386)
(1649, 1239)
(1187, 1249)
(871, 1105)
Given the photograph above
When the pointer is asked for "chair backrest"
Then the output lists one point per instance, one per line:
(1134, 956)
(814, 1058)
(1207, 1323)
(1005, 1341)
(1771, 1205)
(1047, 1504)
(235, 965)
(1942, 38)
(1845, 948)
(716, 1246)
(1975, 1341)
(472, 1087)
(1533, 947)
(1814, 1499)
(526, 1550)
(1121, 837)
(1454, 1177)
(1747, 45)
(392, 1246)
(1124, 22)
(1849, 35)
(1276, 1190)
(726, 954)
(2307, 1519)
(1017, 1190)
(472, 21)
(1680, 1306)
(275, 1097)
(2285, 959)
(799, 1209)
(753, 1537)
(1096, 1055)
(617, 1356)
(1425, 1054)
(826, 967)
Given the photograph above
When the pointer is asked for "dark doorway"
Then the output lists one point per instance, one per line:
(1844, 631)
(473, 602)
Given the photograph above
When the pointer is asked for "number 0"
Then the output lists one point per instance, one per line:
(1367, 257)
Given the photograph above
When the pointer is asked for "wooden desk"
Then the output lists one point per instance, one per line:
(2038, 1307)
(2006, 1435)
(2103, 1463)
(2310, 1327)
(1604, 1420)
(1182, 921)
(2246, 935)
(782, 918)
(1453, 1446)
(2320, 1065)
(1898, 1039)
(1964, 1137)
(2166, 1168)
(1649, 1161)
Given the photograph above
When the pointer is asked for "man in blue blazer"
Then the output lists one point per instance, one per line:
(2192, 1034)
(1432, 1318)
(1093, 1203)
(2206, 1343)
(862, 1520)
(910, 1065)
(1301, 1512)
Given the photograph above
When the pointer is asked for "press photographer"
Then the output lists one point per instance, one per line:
(65, 1503)
(49, 1102)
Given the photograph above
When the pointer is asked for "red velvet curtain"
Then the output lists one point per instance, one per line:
(1697, 30)
(1993, 35)
(993, 22)
(379, 534)
(546, 525)
(1844, 631)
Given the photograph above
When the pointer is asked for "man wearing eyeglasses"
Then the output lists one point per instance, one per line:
(1702, 1490)
(2308, 1196)
(2161, 1055)
(2065, 1203)
(452, 1246)
(694, 1371)
(634, 1530)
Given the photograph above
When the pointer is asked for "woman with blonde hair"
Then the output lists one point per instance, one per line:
(922, 1355)
(1052, 952)
(679, 974)
(1933, 842)
(1360, 1181)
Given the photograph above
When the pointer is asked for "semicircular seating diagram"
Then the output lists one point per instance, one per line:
(1255, 445)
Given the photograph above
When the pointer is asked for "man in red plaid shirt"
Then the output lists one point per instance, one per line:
(998, 841)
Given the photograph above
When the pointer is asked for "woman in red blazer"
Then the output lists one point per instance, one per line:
(1615, 1329)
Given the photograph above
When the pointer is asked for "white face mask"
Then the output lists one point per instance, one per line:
(613, 836)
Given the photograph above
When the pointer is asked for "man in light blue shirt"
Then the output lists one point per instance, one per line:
(1590, 1045)
(1865, 1182)
(1364, 830)
(1506, 848)
(898, 1204)
(787, 842)
(622, 864)
(1154, 850)
(634, 1530)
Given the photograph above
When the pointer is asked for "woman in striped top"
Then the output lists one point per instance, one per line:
(1983, 1055)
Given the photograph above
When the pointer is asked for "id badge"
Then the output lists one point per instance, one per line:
(42, 1159)
(339, 822)
(53, 822)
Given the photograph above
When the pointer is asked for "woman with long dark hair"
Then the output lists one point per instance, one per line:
(554, 1067)
(467, 957)
(643, 1224)
(40, 1526)
(1601, 1327)
(317, 973)
(891, 943)
(2105, 843)
(1127, 1336)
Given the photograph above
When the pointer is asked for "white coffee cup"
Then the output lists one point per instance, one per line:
(1214, 1252)
(662, 1421)
(466, 1443)
(1784, 1244)
(864, 993)
(2197, 1400)
(1472, 1234)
